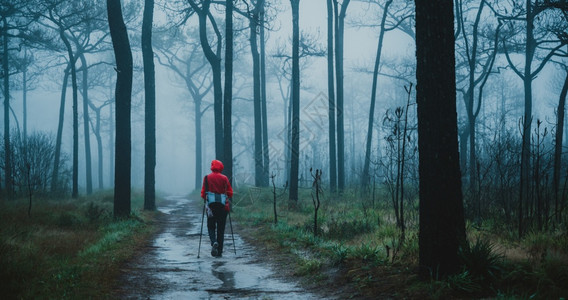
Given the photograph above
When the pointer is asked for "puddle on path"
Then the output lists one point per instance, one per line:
(170, 268)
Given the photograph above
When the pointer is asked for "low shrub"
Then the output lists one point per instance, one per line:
(347, 229)
(481, 261)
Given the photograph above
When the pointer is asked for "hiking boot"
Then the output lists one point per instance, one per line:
(215, 250)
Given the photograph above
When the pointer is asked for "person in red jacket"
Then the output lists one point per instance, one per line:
(216, 191)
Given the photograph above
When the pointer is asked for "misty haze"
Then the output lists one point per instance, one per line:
(372, 149)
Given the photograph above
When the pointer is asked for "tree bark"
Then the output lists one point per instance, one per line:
(527, 118)
(73, 60)
(442, 226)
(339, 29)
(295, 153)
(25, 100)
(331, 100)
(7, 150)
(263, 100)
(215, 61)
(198, 145)
(98, 137)
(228, 96)
(149, 108)
(55, 174)
(85, 96)
(123, 56)
(560, 112)
(258, 156)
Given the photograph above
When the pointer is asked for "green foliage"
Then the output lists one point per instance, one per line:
(66, 249)
(538, 244)
(463, 283)
(353, 239)
(367, 252)
(339, 253)
(347, 229)
(95, 212)
(68, 219)
(555, 268)
(308, 267)
(481, 261)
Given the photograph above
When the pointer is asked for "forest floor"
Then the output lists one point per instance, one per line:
(285, 262)
(169, 266)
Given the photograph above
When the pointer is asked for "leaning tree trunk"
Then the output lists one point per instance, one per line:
(442, 226)
(365, 177)
(55, 174)
(123, 56)
(295, 138)
(72, 59)
(215, 62)
(149, 108)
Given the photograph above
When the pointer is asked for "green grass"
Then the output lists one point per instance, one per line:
(67, 249)
(352, 241)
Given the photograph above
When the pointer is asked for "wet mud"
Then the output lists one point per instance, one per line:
(169, 268)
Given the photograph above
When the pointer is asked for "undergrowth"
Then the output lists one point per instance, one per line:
(67, 249)
(363, 247)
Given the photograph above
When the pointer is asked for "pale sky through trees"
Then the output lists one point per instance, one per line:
(174, 124)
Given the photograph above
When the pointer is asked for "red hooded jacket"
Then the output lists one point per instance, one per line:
(217, 182)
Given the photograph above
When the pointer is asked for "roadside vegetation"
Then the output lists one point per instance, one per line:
(358, 250)
(68, 249)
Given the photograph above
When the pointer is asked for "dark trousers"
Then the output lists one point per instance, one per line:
(216, 224)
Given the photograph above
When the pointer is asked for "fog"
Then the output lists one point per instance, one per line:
(175, 129)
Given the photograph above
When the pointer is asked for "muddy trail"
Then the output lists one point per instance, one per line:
(169, 268)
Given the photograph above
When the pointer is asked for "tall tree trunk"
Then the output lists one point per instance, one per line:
(295, 159)
(442, 226)
(339, 29)
(263, 100)
(198, 144)
(123, 56)
(149, 108)
(7, 151)
(72, 59)
(215, 62)
(365, 177)
(99, 139)
(25, 102)
(560, 112)
(288, 143)
(527, 118)
(87, 136)
(472, 113)
(228, 100)
(55, 174)
(111, 146)
(331, 101)
(258, 157)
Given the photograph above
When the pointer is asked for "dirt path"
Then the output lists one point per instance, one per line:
(170, 269)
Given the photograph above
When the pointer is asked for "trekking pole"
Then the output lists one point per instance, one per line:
(232, 235)
(201, 232)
